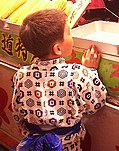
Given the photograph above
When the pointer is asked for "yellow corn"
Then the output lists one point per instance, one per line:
(41, 5)
(10, 7)
(58, 4)
(27, 10)
(62, 4)
(3, 4)
(14, 16)
(68, 7)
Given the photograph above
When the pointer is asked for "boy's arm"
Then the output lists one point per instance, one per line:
(16, 104)
(95, 93)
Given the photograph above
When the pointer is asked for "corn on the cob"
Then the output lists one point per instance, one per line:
(27, 10)
(41, 5)
(58, 4)
(68, 7)
(10, 7)
(3, 4)
(14, 16)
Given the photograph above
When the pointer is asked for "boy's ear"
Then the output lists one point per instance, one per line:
(57, 49)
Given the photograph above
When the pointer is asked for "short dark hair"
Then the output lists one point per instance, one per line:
(40, 30)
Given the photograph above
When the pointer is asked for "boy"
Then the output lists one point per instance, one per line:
(51, 96)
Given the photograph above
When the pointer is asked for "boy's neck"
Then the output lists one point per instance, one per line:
(49, 57)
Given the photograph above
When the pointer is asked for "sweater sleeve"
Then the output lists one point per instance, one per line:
(92, 91)
(16, 104)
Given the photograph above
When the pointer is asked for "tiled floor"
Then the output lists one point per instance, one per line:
(2, 148)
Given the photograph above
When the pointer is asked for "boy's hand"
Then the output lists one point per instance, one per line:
(91, 58)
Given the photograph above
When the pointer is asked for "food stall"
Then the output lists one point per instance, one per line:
(103, 126)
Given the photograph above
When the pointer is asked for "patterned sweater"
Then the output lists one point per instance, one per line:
(55, 94)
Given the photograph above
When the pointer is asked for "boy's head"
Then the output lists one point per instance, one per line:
(43, 34)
